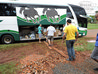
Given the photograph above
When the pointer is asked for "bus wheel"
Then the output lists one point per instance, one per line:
(7, 39)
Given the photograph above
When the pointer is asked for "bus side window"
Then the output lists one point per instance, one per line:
(69, 14)
(2, 10)
(7, 10)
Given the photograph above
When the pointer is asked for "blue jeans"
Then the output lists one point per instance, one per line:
(70, 49)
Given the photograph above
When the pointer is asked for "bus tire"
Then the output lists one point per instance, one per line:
(7, 39)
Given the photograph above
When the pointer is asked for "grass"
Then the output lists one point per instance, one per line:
(80, 45)
(9, 68)
(11, 46)
(92, 26)
(83, 45)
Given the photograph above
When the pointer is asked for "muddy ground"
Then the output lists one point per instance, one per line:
(39, 58)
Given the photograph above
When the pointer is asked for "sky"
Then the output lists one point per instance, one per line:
(59, 2)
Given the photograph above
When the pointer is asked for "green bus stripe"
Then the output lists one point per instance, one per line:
(8, 31)
(42, 17)
(1, 20)
(81, 32)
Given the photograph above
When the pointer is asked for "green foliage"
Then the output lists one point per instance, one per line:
(91, 18)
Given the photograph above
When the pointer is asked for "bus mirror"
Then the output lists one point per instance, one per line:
(83, 16)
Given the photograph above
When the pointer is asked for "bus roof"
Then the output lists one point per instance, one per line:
(31, 3)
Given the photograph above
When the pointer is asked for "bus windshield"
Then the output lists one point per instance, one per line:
(81, 15)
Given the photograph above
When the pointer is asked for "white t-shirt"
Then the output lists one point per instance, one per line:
(51, 31)
(63, 28)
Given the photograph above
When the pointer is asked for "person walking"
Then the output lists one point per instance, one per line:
(50, 33)
(94, 54)
(70, 31)
(40, 32)
(63, 29)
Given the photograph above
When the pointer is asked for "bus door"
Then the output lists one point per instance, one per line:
(70, 16)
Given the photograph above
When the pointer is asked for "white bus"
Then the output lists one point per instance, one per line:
(20, 21)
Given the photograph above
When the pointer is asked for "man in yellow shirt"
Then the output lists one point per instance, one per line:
(70, 31)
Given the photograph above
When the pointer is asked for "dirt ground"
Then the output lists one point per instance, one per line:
(40, 59)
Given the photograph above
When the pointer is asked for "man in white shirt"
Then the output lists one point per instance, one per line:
(50, 33)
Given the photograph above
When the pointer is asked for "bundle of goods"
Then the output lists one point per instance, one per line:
(44, 32)
(36, 35)
(58, 32)
(32, 35)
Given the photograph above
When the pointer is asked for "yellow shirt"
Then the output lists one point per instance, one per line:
(70, 31)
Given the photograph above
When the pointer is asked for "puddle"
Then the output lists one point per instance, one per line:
(92, 41)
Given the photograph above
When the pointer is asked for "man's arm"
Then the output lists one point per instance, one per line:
(64, 35)
(63, 38)
(77, 35)
(54, 32)
(46, 33)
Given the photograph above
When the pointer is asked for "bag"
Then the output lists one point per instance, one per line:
(59, 32)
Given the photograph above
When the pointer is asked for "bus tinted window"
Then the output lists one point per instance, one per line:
(82, 22)
(7, 10)
(69, 14)
(79, 11)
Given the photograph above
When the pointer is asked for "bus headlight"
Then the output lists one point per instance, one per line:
(79, 34)
(83, 33)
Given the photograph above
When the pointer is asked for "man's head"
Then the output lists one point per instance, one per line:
(96, 16)
(51, 24)
(68, 21)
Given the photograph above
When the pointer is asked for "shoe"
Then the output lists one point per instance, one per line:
(96, 69)
(39, 41)
(74, 59)
(69, 60)
(49, 44)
